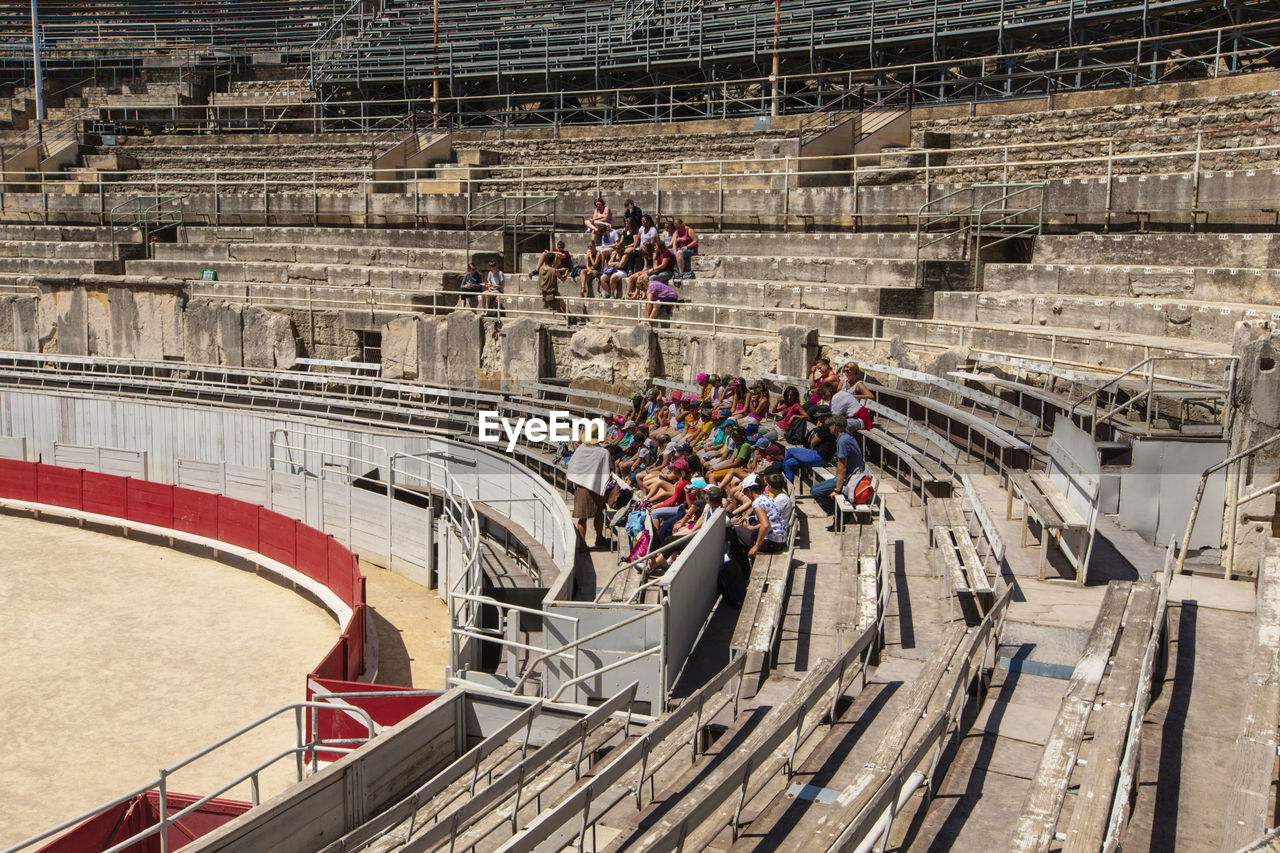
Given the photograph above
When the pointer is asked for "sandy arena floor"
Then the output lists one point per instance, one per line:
(123, 657)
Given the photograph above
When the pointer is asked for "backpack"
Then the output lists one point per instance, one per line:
(798, 432)
(860, 488)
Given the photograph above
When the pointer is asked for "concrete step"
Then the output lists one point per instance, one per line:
(709, 319)
(51, 249)
(1197, 250)
(310, 253)
(867, 272)
(57, 266)
(1067, 346)
(1170, 318)
(423, 238)
(70, 233)
(1207, 283)
(811, 296)
(396, 278)
(900, 245)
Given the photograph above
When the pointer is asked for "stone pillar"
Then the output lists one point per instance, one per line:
(123, 314)
(464, 343)
(97, 321)
(230, 334)
(26, 332)
(8, 332)
(1257, 401)
(797, 348)
(523, 351)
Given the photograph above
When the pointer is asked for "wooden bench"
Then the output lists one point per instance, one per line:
(1042, 806)
(862, 548)
(958, 393)
(933, 477)
(756, 631)
(1001, 447)
(1045, 502)
(957, 563)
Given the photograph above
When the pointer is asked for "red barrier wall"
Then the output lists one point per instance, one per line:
(264, 531)
(108, 828)
(105, 494)
(18, 480)
(278, 537)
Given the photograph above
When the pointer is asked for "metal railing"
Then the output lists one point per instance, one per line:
(149, 214)
(300, 751)
(852, 105)
(1145, 372)
(975, 208)
(1234, 502)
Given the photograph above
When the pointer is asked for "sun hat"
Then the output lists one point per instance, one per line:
(761, 442)
(751, 427)
(676, 396)
(697, 483)
(679, 464)
(751, 481)
(701, 378)
(715, 492)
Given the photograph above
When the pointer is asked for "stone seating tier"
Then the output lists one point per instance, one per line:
(416, 238)
(1168, 249)
(1171, 318)
(900, 245)
(1244, 285)
(294, 253)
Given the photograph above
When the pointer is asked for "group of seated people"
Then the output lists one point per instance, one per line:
(637, 261)
(733, 445)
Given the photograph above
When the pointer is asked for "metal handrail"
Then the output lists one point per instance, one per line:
(594, 635)
(1235, 504)
(314, 746)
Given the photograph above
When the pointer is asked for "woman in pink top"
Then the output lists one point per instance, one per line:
(686, 246)
(601, 219)
(788, 408)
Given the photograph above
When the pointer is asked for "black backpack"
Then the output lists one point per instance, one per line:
(798, 432)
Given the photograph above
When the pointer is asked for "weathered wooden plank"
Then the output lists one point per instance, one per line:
(944, 539)
(1088, 825)
(978, 580)
(1043, 803)
(1069, 514)
(1025, 487)
(1253, 768)
(859, 792)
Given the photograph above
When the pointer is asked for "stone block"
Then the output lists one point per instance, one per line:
(268, 339)
(955, 306)
(230, 334)
(347, 276)
(200, 332)
(797, 347)
(401, 343)
(464, 341)
(123, 313)
(523, 353)
(26, 334)
(159, 321)
(1160, 281)
(1020, 278)
(1004, 310)
(637, 353)
(8, 337)
(66, 326)
(1138, 317)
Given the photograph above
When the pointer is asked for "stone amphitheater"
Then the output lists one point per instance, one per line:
(231, 282)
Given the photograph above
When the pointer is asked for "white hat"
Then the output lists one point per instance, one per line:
(752, 481)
